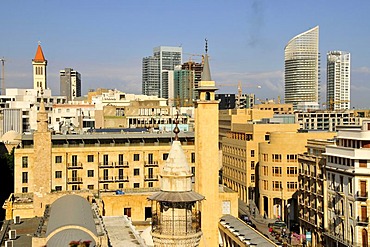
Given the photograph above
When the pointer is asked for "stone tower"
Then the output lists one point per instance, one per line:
(41, 171)
(206, 151)
(39, 64)
(175, 214)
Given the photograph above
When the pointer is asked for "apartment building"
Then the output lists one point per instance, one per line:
(312, 199)
(326, 120)
(348, 180)
(70, 83)
(278, 171)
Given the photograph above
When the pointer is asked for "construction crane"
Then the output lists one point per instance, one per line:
(191, 55)
(239, 86)
(2, 60)
(332, 103)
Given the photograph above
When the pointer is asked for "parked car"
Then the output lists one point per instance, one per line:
(279, 227)
(247, 220)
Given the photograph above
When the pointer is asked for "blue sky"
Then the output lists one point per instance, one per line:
(106, 40)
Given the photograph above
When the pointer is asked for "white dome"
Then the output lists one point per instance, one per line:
(11, 137)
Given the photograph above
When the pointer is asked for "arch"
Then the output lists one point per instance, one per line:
(208, 96)
(364, 238)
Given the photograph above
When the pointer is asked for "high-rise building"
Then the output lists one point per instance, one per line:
(39, 64)
(338, 93)
(70, 83)
(155, 79)
(302, 70)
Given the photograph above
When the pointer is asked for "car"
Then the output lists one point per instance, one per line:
(247, 220)
(278, 226)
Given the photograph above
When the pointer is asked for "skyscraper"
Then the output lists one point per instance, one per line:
(39, 64)
(302, 70)
(155, 79)
(338, 80)
(70, 83)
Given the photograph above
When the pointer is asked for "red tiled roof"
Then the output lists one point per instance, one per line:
(39, 57)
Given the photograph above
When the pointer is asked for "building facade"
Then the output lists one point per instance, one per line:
(338, 80)
(70, 83)
(348, 180)
(302, 72)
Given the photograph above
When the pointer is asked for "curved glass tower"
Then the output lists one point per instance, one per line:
(302, 69)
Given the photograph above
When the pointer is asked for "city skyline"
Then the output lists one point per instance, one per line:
(106, 42)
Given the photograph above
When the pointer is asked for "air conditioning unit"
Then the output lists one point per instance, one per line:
(9, 243)
(12, 234)
(17, 220)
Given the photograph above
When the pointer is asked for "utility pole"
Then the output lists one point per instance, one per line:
(2, 60)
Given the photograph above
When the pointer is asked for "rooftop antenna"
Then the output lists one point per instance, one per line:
(2, 60)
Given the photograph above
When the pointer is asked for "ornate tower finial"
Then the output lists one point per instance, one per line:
(39, 42)
(206, 40)
(176, 130)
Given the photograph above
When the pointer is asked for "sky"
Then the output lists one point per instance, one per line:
(106, 40)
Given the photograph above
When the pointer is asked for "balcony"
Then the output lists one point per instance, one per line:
(106, 179)
(362, 221)
(121, 179)
(151, 164)
(361, 196)
(74, 165)
(151, 178)
(106, 164)
(74, 180)
(121, 164)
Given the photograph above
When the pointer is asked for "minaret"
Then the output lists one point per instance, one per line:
(41, 170)
(175, 215)
(39, 64)
(206, 155)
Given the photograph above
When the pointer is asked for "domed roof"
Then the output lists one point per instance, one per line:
(11, 136)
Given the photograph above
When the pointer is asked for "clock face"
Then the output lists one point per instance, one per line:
(226, 207)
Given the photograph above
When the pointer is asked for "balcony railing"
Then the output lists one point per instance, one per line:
(74, 180)
(362, 221)
(361, 195)
(121, 164)
(106, 179)
(176, 225)
(150, 164)
(106, 164)
(151, 178)
(75, 165)
(121, 179)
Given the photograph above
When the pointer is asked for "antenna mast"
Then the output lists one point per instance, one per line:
(2, 60)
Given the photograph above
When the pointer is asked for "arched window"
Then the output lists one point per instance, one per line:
(364, 238)
(208, 96)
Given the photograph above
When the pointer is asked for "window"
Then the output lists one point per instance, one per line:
(150, 184)
(165, 156)
(24, 177)
(90, 173)
(136, 157)
(252, 153)
(265, 171)
(252, 178)
(58, 188)
(136, 185)
(265, 157)
(276, 171)
(292, 186)
(90, 186)
(192, 157)
(252, 165)
(291, 171)
(105, 159)
(136, 172)
(58, 159)
(291, 158)
(74, 160)
(74, 187)
(267, 137)
(363, 163)
(276, 158)
(120, 185)
(120, 159)
(106, 186)
(90, 158)
(265, 184)
(350, 189)
(24, 189)
(350, 210)
(150, 158)
(276, 185)
(25, 161)
(193, 170)
(58, 174)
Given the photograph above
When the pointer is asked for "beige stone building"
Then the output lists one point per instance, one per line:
(240, 155)
(312, 196)
(278, 172)
(277, 108)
